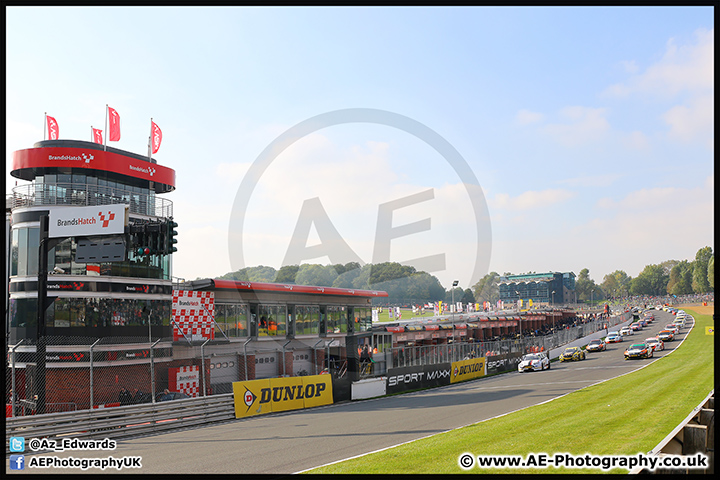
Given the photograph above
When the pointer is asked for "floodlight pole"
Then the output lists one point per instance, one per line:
(455, 283)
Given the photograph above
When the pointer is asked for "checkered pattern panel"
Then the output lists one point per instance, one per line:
(196, 319)
(186, 380)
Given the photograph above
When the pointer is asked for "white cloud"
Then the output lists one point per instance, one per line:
(583, 125)
(597, 180)
(531, 199)
(630, 66)
(645, 199)
(525, 117)
(636, 227)
(636, 140)
(693, 120)
(683, 68)
(685, 71)
(647, 226)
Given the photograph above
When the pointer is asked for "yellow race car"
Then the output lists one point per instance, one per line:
(572, 353)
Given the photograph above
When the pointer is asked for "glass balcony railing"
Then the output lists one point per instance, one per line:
(74, 194)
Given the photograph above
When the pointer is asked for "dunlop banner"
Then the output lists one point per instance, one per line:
(256, 397)
(247, 398)
(467, 369)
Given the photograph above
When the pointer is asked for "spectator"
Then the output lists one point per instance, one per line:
(125, 398)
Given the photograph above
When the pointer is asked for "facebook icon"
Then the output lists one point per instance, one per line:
(17, 462)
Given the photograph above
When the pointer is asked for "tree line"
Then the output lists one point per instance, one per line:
(672, 277)
(405, 285)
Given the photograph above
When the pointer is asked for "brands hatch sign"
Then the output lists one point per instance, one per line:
(85, 221)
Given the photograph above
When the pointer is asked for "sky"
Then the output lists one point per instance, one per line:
(457, 140)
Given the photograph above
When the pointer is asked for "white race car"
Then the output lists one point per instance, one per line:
(534, 362)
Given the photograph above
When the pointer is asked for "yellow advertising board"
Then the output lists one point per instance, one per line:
(317, 390)
(467, 369)
(285, 394)
(255, 397)
(247, 398)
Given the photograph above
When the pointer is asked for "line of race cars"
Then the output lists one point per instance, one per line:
(640, 349)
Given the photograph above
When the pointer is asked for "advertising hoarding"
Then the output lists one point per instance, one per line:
(467, 369)
(417, 377)
(87, 221)
(255, 397)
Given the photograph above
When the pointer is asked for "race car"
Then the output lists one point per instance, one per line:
(680, 322)
(672, 327)
(613, 337)
(534, 362)
(666, 335)
(572, 353)
(597, 345)
(638, 350)
(626, 331)
(655, 343)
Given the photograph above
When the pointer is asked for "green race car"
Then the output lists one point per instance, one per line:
(572, 353)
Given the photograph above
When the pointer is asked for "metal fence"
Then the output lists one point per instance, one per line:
(82, 373)
(434, 354)
(92, 373)
(86, 373)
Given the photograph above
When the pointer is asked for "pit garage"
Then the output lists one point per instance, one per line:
(223, 371)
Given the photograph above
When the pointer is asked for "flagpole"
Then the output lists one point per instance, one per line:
(106, 126)
(150, 142)
(45, 126)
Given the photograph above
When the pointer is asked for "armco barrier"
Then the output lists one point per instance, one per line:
(123, 422)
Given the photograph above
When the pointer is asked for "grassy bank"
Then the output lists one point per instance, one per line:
(623, 416)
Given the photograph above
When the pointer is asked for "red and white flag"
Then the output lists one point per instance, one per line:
(156, 136)
(97, 135)
(53, 129)
(113, 125)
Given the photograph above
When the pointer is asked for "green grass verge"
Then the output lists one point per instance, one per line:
(623, 416)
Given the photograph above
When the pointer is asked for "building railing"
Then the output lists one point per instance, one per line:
(79, 194)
